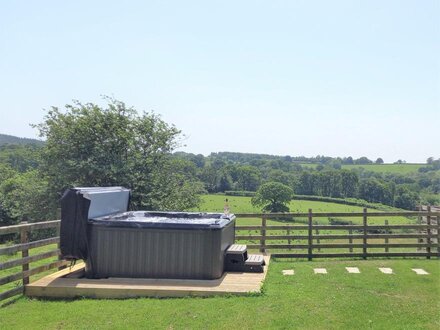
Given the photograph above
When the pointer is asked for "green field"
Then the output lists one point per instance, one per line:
(238, 204)
(338, 300)
(382, 168)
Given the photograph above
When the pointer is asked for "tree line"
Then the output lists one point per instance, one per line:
(90, 145)
(228, 171)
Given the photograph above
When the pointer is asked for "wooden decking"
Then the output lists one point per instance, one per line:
(70, 283)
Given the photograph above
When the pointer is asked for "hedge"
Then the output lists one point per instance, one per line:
(240, 193)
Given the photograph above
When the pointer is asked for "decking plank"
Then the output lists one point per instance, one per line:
(57, 285)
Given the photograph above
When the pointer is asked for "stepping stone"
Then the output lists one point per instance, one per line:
(288, 272)
(320, 270)
(386, 270)
(420, 271)
(353, 270)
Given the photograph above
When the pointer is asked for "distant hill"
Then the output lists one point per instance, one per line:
(10, 139)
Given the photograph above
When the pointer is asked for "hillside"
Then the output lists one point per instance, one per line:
(380, 168)
(10, 139)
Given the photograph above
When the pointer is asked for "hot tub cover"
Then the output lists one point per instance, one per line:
(172, 220)
(80, 204)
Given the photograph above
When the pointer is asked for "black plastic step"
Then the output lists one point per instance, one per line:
(237, 262)
(254, 264)
(235, 254)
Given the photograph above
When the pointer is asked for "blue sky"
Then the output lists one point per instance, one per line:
(334, 78)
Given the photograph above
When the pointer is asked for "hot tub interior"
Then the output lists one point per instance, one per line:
(165, 219)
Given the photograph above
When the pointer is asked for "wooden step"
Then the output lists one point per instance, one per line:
(254, 259)
(236, 249)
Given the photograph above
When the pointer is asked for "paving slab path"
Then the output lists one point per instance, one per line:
(420, 271)
(320, 270)
(387, 271)
(288, 272)
(353, 270)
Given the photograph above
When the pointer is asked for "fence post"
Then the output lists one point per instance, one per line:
(59, 247)
(364, 240)
(318, 241)
(420, 222)
(310, 241)
(263, 235)
(428, 239)
(438, 235)
(350, 239)
(24, 253)
(386, 238)
(289, 240)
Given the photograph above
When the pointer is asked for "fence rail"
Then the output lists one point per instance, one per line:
(362, 236)
(308, 240)
(25, 259)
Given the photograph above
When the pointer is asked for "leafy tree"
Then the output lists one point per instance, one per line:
(249, 178)
(208, 176)
(433, 165)
(6, 173)
(348, 160)
(273, 197)
(324, 187)
(336, 164)
(20, 157)
(25, 197)
(406, 199)
(224, 181)
(376, 191)
(173, 187)
(349, 183)
(89, 145)
(379, 161)
(306, 183)
(363, 161)
(281, 177)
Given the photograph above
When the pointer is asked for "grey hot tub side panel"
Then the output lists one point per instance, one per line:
(158, 253)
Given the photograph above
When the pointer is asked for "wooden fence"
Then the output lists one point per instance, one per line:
(309, 237)
(362, 236)
(25, 260)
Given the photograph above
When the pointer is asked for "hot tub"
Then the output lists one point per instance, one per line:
(96, 227)
(159, 245)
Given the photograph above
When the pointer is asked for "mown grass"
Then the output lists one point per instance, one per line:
(304, 301)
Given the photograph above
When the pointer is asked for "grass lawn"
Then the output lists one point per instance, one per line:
(337, 300)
